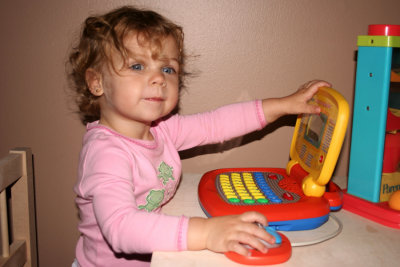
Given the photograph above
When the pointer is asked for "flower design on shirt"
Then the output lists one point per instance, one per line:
(154, 199)
(166, 172)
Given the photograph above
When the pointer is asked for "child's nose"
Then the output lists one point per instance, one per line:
(158, 79)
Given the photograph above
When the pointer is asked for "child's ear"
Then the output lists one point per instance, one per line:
(93, 80)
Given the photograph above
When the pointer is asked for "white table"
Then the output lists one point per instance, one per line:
(361, 243)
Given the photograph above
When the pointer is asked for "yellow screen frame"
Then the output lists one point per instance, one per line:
(323, 160)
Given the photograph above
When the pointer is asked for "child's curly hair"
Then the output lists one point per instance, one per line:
(101, 34)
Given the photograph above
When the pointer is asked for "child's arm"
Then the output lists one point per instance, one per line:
(295, 103)
(225, 233)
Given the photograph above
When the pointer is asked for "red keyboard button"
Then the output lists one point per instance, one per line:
(272, 176)
(287, 196)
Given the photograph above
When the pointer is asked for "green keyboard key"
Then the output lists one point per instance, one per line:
(262, 200)
(234, 200)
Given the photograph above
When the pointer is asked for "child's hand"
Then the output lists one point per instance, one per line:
(228, 233)
(296, 103)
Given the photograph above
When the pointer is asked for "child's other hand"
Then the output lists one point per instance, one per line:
(228, 233)
(296, 103)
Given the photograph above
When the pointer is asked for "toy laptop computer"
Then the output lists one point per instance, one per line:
(299, 197)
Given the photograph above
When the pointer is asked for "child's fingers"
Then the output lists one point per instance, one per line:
(235, 246)
(256, 220)
(245, 241)
(313, 85)
(318, 83)
(252, 240)
(257, 244)
(254, 217)
(262, 235)
(255, 231)
(314, 109)
(312, 90)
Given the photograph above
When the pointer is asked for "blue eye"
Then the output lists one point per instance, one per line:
(137, 67)
(168, 70)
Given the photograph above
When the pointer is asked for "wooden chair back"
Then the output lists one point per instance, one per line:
(18, 244)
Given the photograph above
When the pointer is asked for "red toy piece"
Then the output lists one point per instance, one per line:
(377, 212)
(273, 256)
(384, 29)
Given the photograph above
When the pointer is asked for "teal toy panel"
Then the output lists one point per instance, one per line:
(369, 121)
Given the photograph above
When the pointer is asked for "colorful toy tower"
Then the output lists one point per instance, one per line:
(375, 143)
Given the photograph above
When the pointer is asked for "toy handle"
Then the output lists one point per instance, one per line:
(311, 188)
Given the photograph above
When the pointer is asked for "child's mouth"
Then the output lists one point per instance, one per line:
(154, 99)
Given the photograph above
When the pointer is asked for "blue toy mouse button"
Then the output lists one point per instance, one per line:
(272, 231)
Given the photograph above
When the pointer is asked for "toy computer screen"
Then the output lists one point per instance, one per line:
(315, 129)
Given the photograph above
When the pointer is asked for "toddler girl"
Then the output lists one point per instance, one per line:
(127, 71)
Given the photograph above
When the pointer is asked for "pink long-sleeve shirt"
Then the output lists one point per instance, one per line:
(123, 183)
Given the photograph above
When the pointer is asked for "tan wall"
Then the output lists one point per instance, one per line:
(247, 49)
